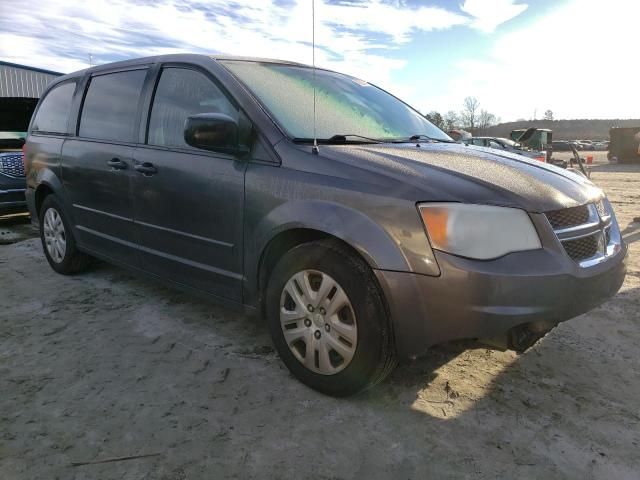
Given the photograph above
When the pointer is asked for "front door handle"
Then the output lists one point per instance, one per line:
(146, 168)
(117, 164)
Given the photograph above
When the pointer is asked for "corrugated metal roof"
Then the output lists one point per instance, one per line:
(22, 81)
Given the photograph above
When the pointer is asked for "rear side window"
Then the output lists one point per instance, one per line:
(181, 93)
(53, 114)
(110, 110)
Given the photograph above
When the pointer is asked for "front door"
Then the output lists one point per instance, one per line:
(188, 203)
(97, 165)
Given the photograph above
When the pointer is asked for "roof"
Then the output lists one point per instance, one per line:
(258, 59)
(21, 81)
(32, 69)
(181, 57)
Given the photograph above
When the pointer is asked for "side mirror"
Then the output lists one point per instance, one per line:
(214, 131)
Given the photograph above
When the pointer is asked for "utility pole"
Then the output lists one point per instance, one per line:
(90, 60)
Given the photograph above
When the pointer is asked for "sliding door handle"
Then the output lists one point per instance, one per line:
(117, 164)
(146, 168)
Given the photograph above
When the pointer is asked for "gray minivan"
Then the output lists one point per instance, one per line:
(384, 239)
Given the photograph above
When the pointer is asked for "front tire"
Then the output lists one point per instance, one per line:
(328, 320)
(57, 239)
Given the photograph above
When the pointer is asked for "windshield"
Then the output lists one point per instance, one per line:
(344, 105)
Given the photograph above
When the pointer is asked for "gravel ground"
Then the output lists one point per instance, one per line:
(104, 365)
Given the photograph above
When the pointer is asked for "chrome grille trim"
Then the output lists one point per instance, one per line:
(592, 241)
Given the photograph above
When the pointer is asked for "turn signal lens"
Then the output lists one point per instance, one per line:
(435, 220)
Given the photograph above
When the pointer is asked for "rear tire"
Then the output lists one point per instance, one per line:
(57, 239)
(354, 339)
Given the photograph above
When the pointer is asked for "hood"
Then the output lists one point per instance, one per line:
(468, 174)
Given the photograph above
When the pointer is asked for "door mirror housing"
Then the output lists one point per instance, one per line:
(216, 132)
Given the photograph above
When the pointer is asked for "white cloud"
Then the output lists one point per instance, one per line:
(488, 14)
(579, 61)
(360, 38)
(60, 34)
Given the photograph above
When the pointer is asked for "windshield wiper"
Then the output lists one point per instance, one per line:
(417, 138)
(344, 137)
(340, 138)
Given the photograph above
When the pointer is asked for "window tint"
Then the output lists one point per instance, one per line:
(181, 93)
(111, 106)
(53, 113)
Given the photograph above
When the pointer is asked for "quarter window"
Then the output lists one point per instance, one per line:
(53, 114)
(110, 110)
(180, 93)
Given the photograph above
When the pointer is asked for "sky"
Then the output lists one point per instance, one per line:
(578, 58)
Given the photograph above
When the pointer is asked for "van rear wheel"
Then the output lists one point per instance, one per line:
(328, 320)
(57, 239)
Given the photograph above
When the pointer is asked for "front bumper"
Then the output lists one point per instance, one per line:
(12, 199)
(481, 299)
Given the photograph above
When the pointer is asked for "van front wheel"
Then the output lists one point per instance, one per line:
(328, 320)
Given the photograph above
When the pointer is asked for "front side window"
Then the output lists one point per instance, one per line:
(181, 93)
(344, 105)
(110, 110)
(53, 114)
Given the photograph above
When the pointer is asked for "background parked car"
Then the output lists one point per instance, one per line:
(500, 143)
(586, 144)
(15, 114)
(561, 146)
(12, 181)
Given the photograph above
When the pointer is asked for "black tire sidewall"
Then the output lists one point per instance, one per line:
(357, 280)
(66, 266)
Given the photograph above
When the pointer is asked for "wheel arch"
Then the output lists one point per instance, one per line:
(283, 229)
(48, 183)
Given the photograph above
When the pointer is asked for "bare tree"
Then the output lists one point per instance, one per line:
(451, 120)
(435, 118)
(470, 112)
(486, 119)
(548, 115)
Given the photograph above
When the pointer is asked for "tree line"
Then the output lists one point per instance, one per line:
(472, 117)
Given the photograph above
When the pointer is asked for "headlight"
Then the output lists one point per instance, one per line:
(478, 231)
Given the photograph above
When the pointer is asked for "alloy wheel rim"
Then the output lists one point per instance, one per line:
(55, 238)
(318, 322)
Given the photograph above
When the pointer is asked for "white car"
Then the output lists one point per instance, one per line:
(500, 143)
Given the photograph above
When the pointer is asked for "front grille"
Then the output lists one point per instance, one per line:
(568, 217)
(582, 248)
(11, 164)
(585, 232)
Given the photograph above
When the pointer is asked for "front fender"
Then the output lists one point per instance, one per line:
(375, 245)
(382, 248)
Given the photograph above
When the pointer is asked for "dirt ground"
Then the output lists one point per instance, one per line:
(105, 365)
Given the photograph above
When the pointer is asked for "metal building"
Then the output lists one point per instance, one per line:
(22, 81)
(20, 88)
